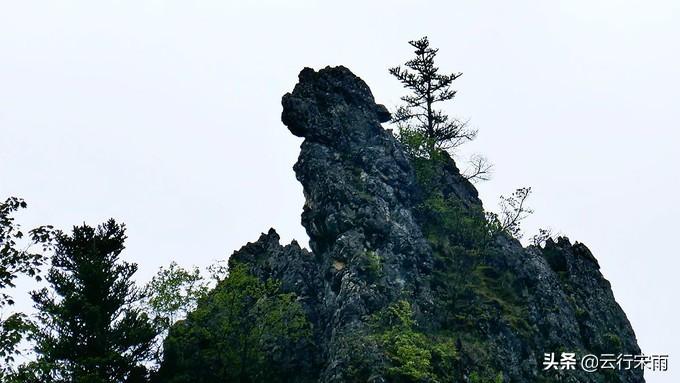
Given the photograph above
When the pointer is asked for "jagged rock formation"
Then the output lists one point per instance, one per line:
(386, 229)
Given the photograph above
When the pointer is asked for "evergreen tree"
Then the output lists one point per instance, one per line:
(419, 116)
(90, 330)
(425, 131)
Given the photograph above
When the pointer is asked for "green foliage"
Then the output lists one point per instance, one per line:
(90, 329)
(413, 356)
(245, 330)
(447, 221)
(371, 263)
(415, 143)
(427, 172)
(174, 291)
(473, 293)
(364, 362)
(397, 315)
(13, 330)
(17, 258)
(410, 356)
(497, 289)
(13, 261)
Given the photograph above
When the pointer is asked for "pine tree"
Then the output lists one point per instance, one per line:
(419, 116)
(90, 330)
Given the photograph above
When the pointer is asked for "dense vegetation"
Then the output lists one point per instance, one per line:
(244, 330)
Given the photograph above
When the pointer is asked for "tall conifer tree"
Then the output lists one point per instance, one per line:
(428, 88)
(91, 331)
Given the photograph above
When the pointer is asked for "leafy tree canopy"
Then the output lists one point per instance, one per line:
(18, 257)
(243, 331)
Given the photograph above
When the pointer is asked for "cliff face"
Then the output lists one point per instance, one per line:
(404, 282)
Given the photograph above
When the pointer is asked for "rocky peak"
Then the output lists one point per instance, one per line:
(362, 208)
(391, 245)
(359, 188)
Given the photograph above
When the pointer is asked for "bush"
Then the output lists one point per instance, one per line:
(244, 330)
(412, 355)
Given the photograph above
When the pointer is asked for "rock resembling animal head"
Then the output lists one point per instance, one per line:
(324, 103)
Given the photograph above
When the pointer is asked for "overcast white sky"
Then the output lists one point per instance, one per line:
(165, 115)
